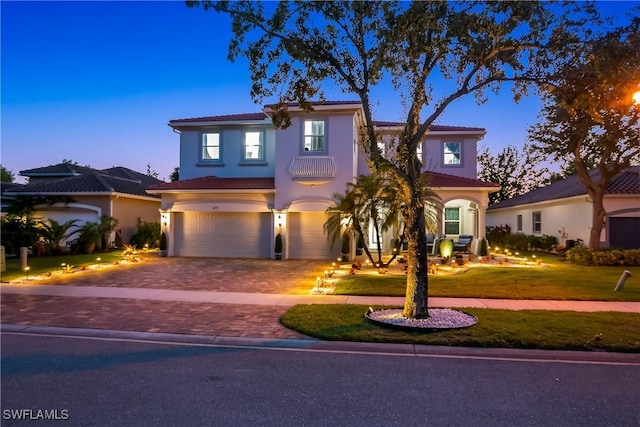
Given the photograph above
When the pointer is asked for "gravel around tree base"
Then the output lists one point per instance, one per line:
(439, 319)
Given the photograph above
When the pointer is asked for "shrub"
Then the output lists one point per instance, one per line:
(17, 232)
(482, 249)
(549, 242)
(163, 241)
(580, 256)
(604, 257)
(517, 241)
(148, 234)
(89, 236)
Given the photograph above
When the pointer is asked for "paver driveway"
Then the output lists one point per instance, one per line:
(215, 274)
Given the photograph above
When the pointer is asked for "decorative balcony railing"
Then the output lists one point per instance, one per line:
(313, 170)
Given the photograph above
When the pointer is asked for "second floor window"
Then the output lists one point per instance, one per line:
(211, 146)
(452, 153)
(253, 146)
(314, 136)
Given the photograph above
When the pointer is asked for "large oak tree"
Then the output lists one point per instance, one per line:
(433, 53)
(588, 117)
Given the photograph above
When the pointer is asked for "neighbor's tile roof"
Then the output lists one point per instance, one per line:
(61, 169)
(626, 182)
(117, 179)
(216, 183)
(442, 180)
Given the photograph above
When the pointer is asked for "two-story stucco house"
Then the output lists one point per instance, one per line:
(242, 181)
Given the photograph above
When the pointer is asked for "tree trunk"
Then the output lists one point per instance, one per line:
(416, 303)
(597, 218)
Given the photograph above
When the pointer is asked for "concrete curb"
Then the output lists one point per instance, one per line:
(409, 350)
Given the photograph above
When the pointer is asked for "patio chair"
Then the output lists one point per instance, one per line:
(463, 243)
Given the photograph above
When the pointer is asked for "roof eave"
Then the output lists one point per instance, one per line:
(213, 123)
(214, 190)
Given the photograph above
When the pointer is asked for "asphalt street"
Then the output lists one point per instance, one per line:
(115, 382)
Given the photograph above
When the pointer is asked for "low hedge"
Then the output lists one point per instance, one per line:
(604, 257)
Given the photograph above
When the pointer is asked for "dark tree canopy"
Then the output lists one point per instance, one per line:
(517, 171)
(6, 175)
(295, 49)
(588, 120)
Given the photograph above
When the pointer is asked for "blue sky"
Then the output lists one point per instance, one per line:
(97, 82)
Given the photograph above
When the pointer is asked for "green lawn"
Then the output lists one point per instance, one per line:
(45, 264)
(559, 281)
(558, 330)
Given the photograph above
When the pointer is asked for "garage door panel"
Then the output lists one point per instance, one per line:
(624, 232)
(306, 236)
(228, 234)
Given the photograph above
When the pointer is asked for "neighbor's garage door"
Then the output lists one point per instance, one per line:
(223, 234)
(624, 232)
(306, 236)
(81, 216)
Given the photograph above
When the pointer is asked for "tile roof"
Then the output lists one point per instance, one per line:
(318, 103)
(216, 183)
(626, 182)
(113, 180)
(61, 169)
(442, 180)
(242, 117)
(223, 118)
(433, 128)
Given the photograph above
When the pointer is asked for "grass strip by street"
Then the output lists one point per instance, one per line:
(559, 281)
(526, 329)
(46, 264)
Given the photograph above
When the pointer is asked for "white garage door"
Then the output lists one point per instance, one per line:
(223, 234)
(306, 237)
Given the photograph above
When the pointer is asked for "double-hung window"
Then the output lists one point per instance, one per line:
(211, 146)
(451, 220)
(537, 222)
(452, 153)
(253, 146)
(314, 136)
(518, 222)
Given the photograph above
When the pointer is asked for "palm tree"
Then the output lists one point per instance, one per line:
(376, 204)
(370, 200)
(52, 232)
(373, 199)
(107, 225)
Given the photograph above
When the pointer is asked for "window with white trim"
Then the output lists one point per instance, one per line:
(253, 146)
(451, 221)
(314, 136)
(537, 222)
(452, 153)
(211, 146)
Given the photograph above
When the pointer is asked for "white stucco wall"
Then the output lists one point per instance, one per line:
(564, 218)
(340, 141)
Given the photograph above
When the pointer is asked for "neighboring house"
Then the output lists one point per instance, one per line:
(242, 182)
(117, 192)
(563, 209)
